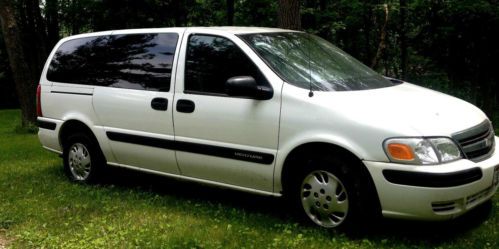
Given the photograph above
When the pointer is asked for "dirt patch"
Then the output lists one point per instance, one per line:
(3, 240)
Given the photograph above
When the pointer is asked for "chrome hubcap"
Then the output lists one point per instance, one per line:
(79, 161)
(324, 198)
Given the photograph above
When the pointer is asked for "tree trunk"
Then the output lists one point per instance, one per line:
(52, 16)
(403, 38)
(382, 40)
(180, 12)
(368, 24)
(25, 84)
(230, 12)
(34, 30)
(323, 5)
(288, 15)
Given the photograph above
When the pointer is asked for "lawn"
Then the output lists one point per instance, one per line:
(40, 208)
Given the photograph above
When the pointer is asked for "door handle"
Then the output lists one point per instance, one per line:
(160, 104)
(184, 105)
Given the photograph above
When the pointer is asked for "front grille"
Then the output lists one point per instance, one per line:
(477, 143)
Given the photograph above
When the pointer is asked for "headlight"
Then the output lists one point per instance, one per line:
(421, 150)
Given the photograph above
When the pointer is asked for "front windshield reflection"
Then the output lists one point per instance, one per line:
(309, 61)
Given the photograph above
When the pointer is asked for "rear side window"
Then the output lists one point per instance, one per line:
(135, 61)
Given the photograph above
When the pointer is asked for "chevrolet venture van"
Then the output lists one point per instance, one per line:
(267, 111)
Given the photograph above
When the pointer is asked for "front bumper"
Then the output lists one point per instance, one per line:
(434, 192)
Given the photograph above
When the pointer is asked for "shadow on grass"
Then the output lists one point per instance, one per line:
(186, 190)
(434, 231)
(411, 232)
(275, 206)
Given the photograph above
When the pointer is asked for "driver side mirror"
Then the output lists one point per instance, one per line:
(245, 86)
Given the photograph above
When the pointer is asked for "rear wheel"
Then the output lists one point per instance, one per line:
(83, 160)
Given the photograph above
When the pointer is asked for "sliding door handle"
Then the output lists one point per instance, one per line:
(186, 106)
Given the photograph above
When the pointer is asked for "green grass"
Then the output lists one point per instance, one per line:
(40, 208)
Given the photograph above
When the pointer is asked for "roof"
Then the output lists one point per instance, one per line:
(220, 29)
(242, 30)
(225, 29)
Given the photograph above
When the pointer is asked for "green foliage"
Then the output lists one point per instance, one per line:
(451, 45)
(255, 13)
(40, 208)
(458, 36)
(453, 40)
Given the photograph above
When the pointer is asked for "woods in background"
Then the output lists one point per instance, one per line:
(448, 45)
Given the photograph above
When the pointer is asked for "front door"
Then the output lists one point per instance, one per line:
(230, 140)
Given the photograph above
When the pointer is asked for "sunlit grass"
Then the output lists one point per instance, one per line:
(40, 208)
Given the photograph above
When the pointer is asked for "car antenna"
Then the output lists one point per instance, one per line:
(310, 93)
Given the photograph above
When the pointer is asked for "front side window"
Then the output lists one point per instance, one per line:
(134, 61)
(309, 61)
(212, 60)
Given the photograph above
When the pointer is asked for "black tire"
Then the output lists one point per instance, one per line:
(354, 186)
(83, 159)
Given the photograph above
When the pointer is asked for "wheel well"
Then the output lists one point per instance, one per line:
(71, 127)
(293, 165)
(298, 162)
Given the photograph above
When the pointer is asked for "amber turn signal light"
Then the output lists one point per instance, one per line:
(400, 152)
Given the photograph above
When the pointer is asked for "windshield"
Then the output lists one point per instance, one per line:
(306, 61)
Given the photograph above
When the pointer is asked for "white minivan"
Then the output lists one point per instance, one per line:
(268, 111)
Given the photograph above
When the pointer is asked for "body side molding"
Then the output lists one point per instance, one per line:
(211, 150)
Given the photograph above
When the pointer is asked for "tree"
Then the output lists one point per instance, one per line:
(25, 40)
(403, 37)
(446, 45)
(256, 13)
(25, 84)
(382, 39)
(288, 14)
(52, 16)
(230, 12)
(180, 12)
(458, 37)
(8, 97)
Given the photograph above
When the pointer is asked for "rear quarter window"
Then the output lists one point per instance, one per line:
(133, 61)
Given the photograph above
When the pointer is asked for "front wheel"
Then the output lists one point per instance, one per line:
(324, 199)
(83, 160)
(335, 191)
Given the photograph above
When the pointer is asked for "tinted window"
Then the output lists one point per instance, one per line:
(211, 60)
(136, 61)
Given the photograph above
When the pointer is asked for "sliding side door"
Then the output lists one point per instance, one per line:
(134, 99)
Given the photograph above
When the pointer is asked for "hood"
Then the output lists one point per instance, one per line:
(406, 109)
